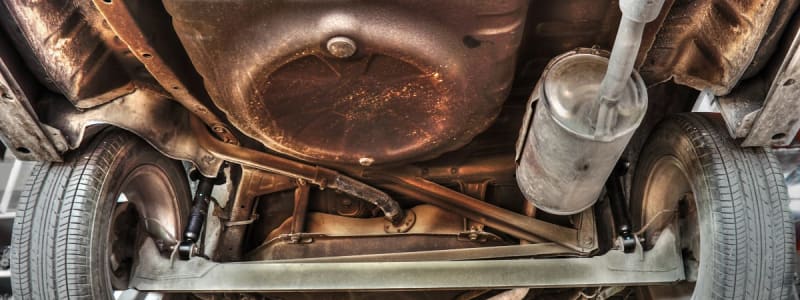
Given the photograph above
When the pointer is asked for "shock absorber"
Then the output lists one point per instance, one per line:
(619, 210)
(202, 197)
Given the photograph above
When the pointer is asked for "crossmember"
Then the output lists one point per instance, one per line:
(660, 265)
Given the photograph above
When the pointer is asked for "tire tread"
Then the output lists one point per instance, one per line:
(50, 240)
(754, 238)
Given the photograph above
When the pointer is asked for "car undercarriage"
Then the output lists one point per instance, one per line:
(577, 149)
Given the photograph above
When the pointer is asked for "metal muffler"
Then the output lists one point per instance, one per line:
(587, 108)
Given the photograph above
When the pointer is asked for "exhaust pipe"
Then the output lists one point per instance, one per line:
(587, 108)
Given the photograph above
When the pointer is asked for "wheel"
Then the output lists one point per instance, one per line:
(80, 221)
(728, 205)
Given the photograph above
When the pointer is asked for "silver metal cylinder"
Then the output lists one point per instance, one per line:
(587, 108)
(563, 161)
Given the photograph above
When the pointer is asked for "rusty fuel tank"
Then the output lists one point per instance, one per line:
(355, 82)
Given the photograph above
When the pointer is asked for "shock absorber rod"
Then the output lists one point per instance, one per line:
(197, 217)
(619, 211)
(199, 208)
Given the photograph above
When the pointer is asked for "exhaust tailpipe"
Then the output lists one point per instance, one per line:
(587, 108)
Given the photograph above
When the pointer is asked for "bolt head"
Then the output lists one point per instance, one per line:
(366, 161)
(341, 47)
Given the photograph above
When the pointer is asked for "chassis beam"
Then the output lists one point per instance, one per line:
(777, 123)
(20, 129)
(660, 265)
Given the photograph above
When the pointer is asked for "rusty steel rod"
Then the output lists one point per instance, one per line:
(324, 178)
(300, 207)
(517, 225)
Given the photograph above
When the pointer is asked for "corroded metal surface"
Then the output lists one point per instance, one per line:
(774, 36)
(162, 57)
(425, 77)
(67, 47)
(331, 235)
(332, 246)
(20, 130)
(177, 134)
(322, 177)
(162, 123)
(778, 122)
(708, 44)
(197, 145)
(250, 184)
(514, 224)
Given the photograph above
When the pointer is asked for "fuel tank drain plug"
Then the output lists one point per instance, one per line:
(341, 46)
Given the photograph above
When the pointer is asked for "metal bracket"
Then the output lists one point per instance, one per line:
(587, 231)
(478, 191)
(297, 238)
(779, 120)
(240, 208)
(478, 236)
(740, 109)
(252, 219)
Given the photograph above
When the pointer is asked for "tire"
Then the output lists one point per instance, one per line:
(61, 234)
(739, 219)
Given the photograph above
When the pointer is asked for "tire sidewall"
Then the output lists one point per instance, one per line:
(133, 154)
(671, 141)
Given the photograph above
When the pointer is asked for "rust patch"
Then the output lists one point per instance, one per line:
(422, 79)
(708, 44)
(165, 61)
